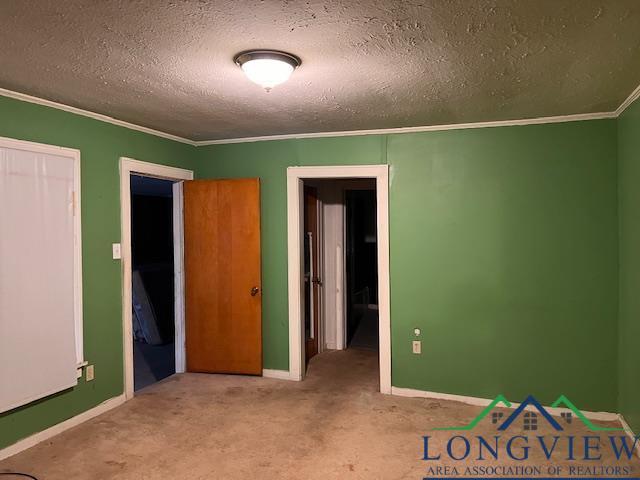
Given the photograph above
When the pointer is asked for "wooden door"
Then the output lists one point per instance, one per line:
(223, 312)
(312, 280)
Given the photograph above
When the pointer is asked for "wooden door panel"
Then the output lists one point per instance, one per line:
(223, 320)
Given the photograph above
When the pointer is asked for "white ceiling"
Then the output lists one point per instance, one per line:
(168, 64)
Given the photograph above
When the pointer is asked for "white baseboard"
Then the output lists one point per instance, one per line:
(483, 402)
(629, 432)
(279, 374)
(411, 392)
(36, 438)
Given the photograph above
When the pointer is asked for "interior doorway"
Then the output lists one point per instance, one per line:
(350, 201)
(340, 265)
(152, 261)
(144, 196)
(216, 247)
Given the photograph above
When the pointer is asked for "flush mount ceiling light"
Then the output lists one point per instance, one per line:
(267, 68)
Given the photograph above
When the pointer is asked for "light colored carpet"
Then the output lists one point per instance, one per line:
(196, 426)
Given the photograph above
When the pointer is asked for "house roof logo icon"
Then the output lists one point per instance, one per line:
(531, 403)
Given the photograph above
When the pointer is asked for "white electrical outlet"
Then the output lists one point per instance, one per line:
(116, 251)
(417, 347)
(89, 373)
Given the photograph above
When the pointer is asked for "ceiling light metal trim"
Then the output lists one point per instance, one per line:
(267, 68)
(244, 57)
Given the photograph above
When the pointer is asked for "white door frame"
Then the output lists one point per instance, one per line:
(130, 166)
(295, 212)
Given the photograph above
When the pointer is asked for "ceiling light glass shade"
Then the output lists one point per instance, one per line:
(267, 68)
(266, 72)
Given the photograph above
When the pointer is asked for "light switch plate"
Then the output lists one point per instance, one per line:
(89, 373)
(417, 347)
(116, 251)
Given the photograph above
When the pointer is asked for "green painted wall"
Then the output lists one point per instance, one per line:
(101, 146)
(503, 250)
(629, 306)
(269, 161)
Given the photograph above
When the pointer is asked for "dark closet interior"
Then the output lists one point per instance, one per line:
(153, 279)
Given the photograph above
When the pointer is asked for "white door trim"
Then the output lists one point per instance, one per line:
(295, 214)
(178, 276)
(320, 274)
(127, 167)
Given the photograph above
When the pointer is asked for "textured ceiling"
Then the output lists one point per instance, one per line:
(167, 64)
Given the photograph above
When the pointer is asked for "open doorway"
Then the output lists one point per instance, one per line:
(153, 302)
(365, 295)
(340, 272)
(201, 237)
(151, 235)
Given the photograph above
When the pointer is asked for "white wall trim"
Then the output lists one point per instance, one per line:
(50, 432)
(427, 128)
(347, 133)
(295, 262)
(633, 96)
(629, 432)
(295, 276)
(320, 274)
(127, 167)
(96, 116)
(278, 374)
(39, 147)
(483, 402)
(178, 270)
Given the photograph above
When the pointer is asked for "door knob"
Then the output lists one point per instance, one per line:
(254, 291)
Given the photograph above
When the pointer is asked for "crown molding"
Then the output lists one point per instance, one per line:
(628, 101)
(348, 133)
(435, 128)
(96, 116)
(428, 128)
